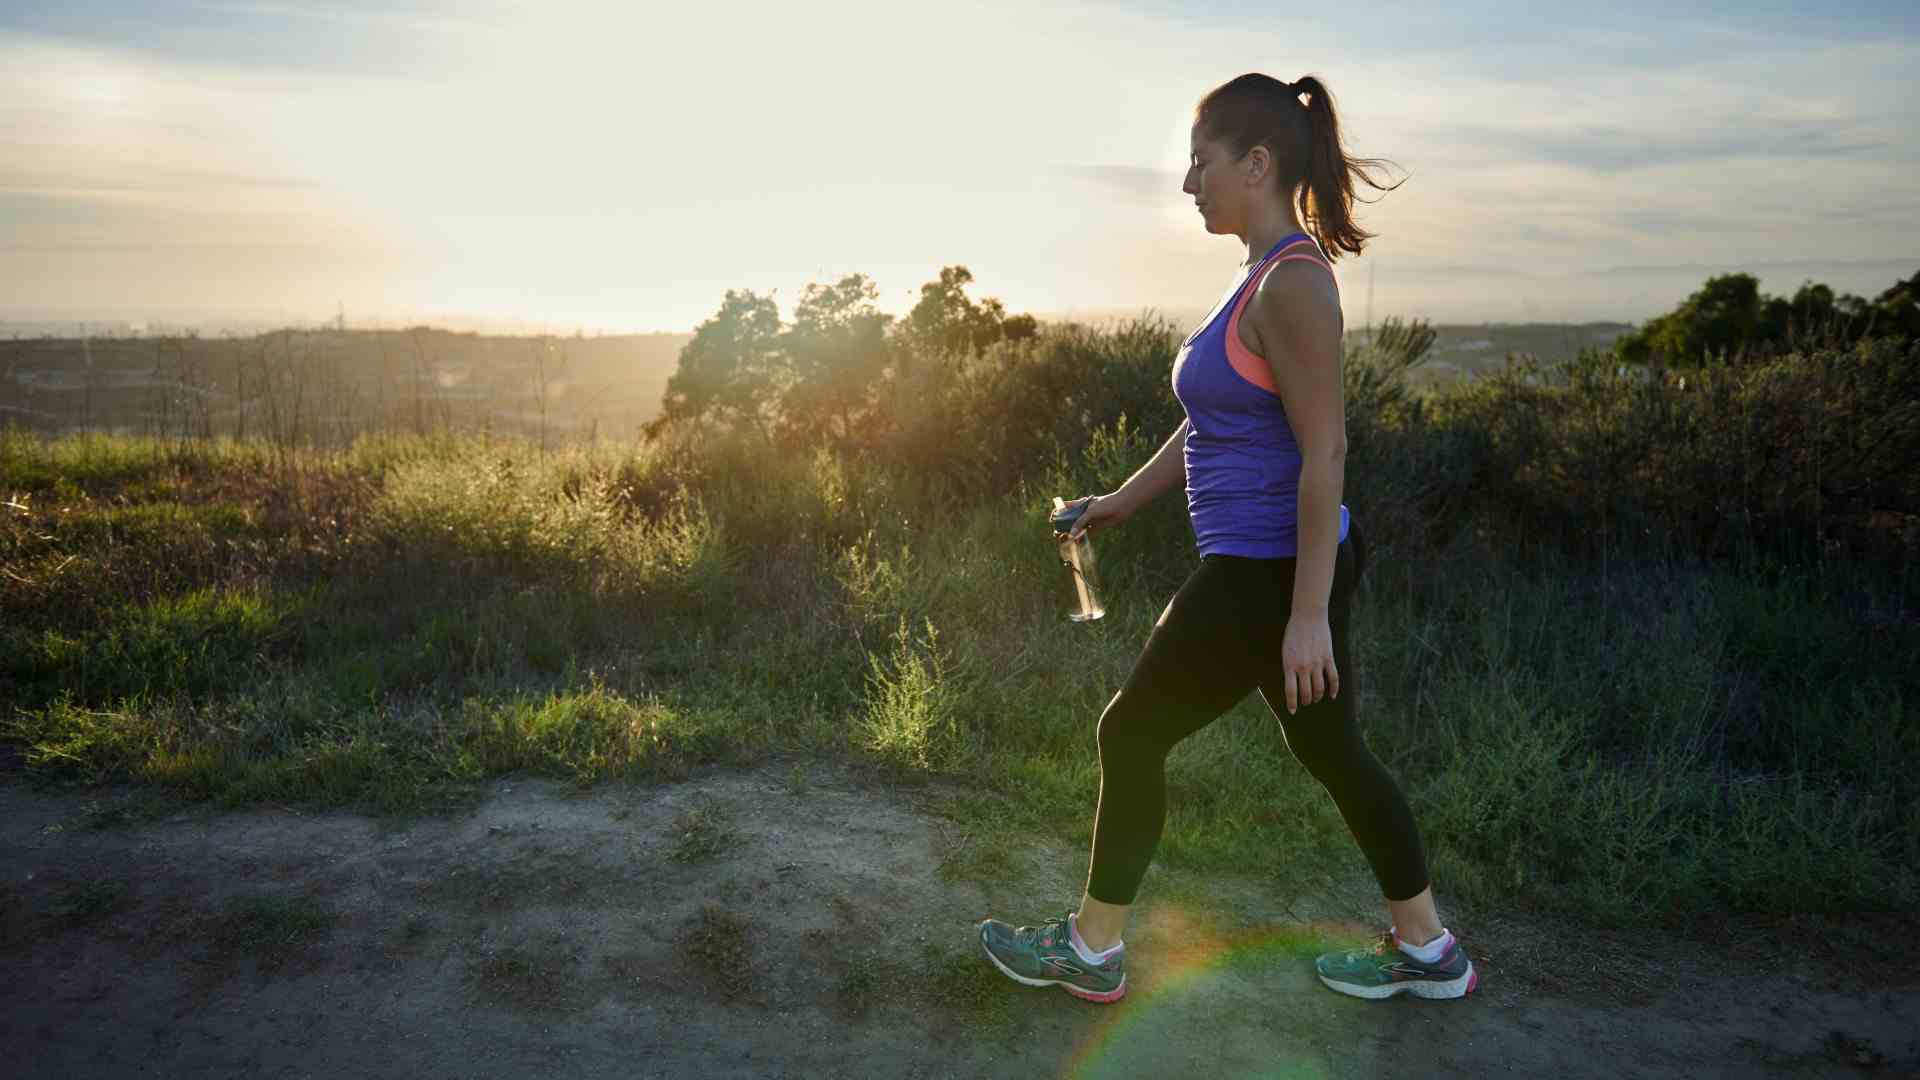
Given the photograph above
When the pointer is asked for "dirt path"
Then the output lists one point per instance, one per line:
(793, 921)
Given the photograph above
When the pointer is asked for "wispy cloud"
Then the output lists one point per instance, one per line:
(353, 36)
(607, 156)
(1612, 148)
(420, 18)
(30, 178)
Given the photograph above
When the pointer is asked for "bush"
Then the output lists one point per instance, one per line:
(1793, 460)
(911, 718)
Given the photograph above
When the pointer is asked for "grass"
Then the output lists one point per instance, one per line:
(702, 833)
(927, 979)
(956, 984)
(717, 947)
(390, 625)
(537, 976)
(273, 930)
(85, 902)
(977, 853)
(136, 807)
(855, 989)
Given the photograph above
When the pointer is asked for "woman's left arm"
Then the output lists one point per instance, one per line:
(1298, 322)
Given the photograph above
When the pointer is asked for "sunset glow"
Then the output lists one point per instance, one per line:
(621, 166)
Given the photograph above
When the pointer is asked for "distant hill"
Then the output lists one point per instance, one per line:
(338, 381)
(1458, 347)
(1469, 349)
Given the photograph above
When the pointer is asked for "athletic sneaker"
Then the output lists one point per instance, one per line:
(1385, 970)
(1044, 956)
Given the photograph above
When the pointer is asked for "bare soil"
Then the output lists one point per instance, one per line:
(811, 920)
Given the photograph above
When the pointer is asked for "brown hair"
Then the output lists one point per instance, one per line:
(1304, 139)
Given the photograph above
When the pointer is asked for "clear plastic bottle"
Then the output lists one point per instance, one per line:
(1077, 557)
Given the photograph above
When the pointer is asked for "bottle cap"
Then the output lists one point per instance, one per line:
(1064, 516)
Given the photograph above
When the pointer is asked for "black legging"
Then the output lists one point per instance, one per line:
(1219, 638)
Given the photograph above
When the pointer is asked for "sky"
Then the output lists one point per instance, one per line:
(620, 166)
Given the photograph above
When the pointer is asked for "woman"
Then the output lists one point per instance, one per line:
(1262, 458)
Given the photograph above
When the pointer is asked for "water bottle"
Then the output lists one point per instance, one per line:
(1077, 557)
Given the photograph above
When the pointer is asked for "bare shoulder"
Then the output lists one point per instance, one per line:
(1297, 301)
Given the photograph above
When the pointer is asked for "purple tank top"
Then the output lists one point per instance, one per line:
(1243, 465)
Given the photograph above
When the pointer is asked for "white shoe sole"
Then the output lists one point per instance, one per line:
(1424, 988)
(1082, 993)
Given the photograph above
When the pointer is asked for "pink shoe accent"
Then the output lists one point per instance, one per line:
(1474, 981)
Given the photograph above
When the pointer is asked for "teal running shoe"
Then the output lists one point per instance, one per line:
(1044, 956)
(1384, 970)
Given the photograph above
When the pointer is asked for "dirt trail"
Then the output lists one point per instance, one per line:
(792, 921)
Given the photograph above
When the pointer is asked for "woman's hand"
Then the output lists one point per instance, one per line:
(1104, 511)
(1307, 655)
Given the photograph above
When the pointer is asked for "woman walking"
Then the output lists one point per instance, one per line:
(1262, 457)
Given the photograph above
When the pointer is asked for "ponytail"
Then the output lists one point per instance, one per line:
(1304, 138)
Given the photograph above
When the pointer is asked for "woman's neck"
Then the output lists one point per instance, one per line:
(1262, 235)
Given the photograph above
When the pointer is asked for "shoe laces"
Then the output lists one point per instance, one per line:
(1054, 928)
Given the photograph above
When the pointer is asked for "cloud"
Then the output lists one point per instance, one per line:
(358, 36)
(619, 153)
(1522, 28)
(1617, 148)
(24, 178)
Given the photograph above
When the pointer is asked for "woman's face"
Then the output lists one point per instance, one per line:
(1211, 181)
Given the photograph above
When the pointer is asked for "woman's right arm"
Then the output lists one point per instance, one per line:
(1165, 471)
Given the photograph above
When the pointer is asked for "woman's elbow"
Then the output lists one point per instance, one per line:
(1333, 454)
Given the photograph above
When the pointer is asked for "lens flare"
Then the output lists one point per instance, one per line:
(1210, 994)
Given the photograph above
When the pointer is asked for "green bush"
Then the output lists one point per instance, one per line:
(1795, 460)
(1632, 647)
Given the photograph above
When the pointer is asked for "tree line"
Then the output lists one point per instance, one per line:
(820, 377)
(827, 376)
(1730, 321)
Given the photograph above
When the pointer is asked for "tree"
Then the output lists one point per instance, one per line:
(1814, 311)
(945, 319)
(834, 355)
(1730, 317)
(1020, 328)
(823, 376)
(728, 370)
(1897, 311)
(1720, 319)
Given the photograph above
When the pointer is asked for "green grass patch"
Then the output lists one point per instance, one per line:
(702, 832)
(539, 977)
(137, 807)
(592, 734)
(197, 643)
(275, 931)
(980, 854)
(911, 717)
(953, 982)
(1626, 739)
(101, 464)
(83, 903)
(717, 947)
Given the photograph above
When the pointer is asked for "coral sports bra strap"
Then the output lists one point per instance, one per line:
(1247, 364)
(1301, 256)
(1243, 463)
